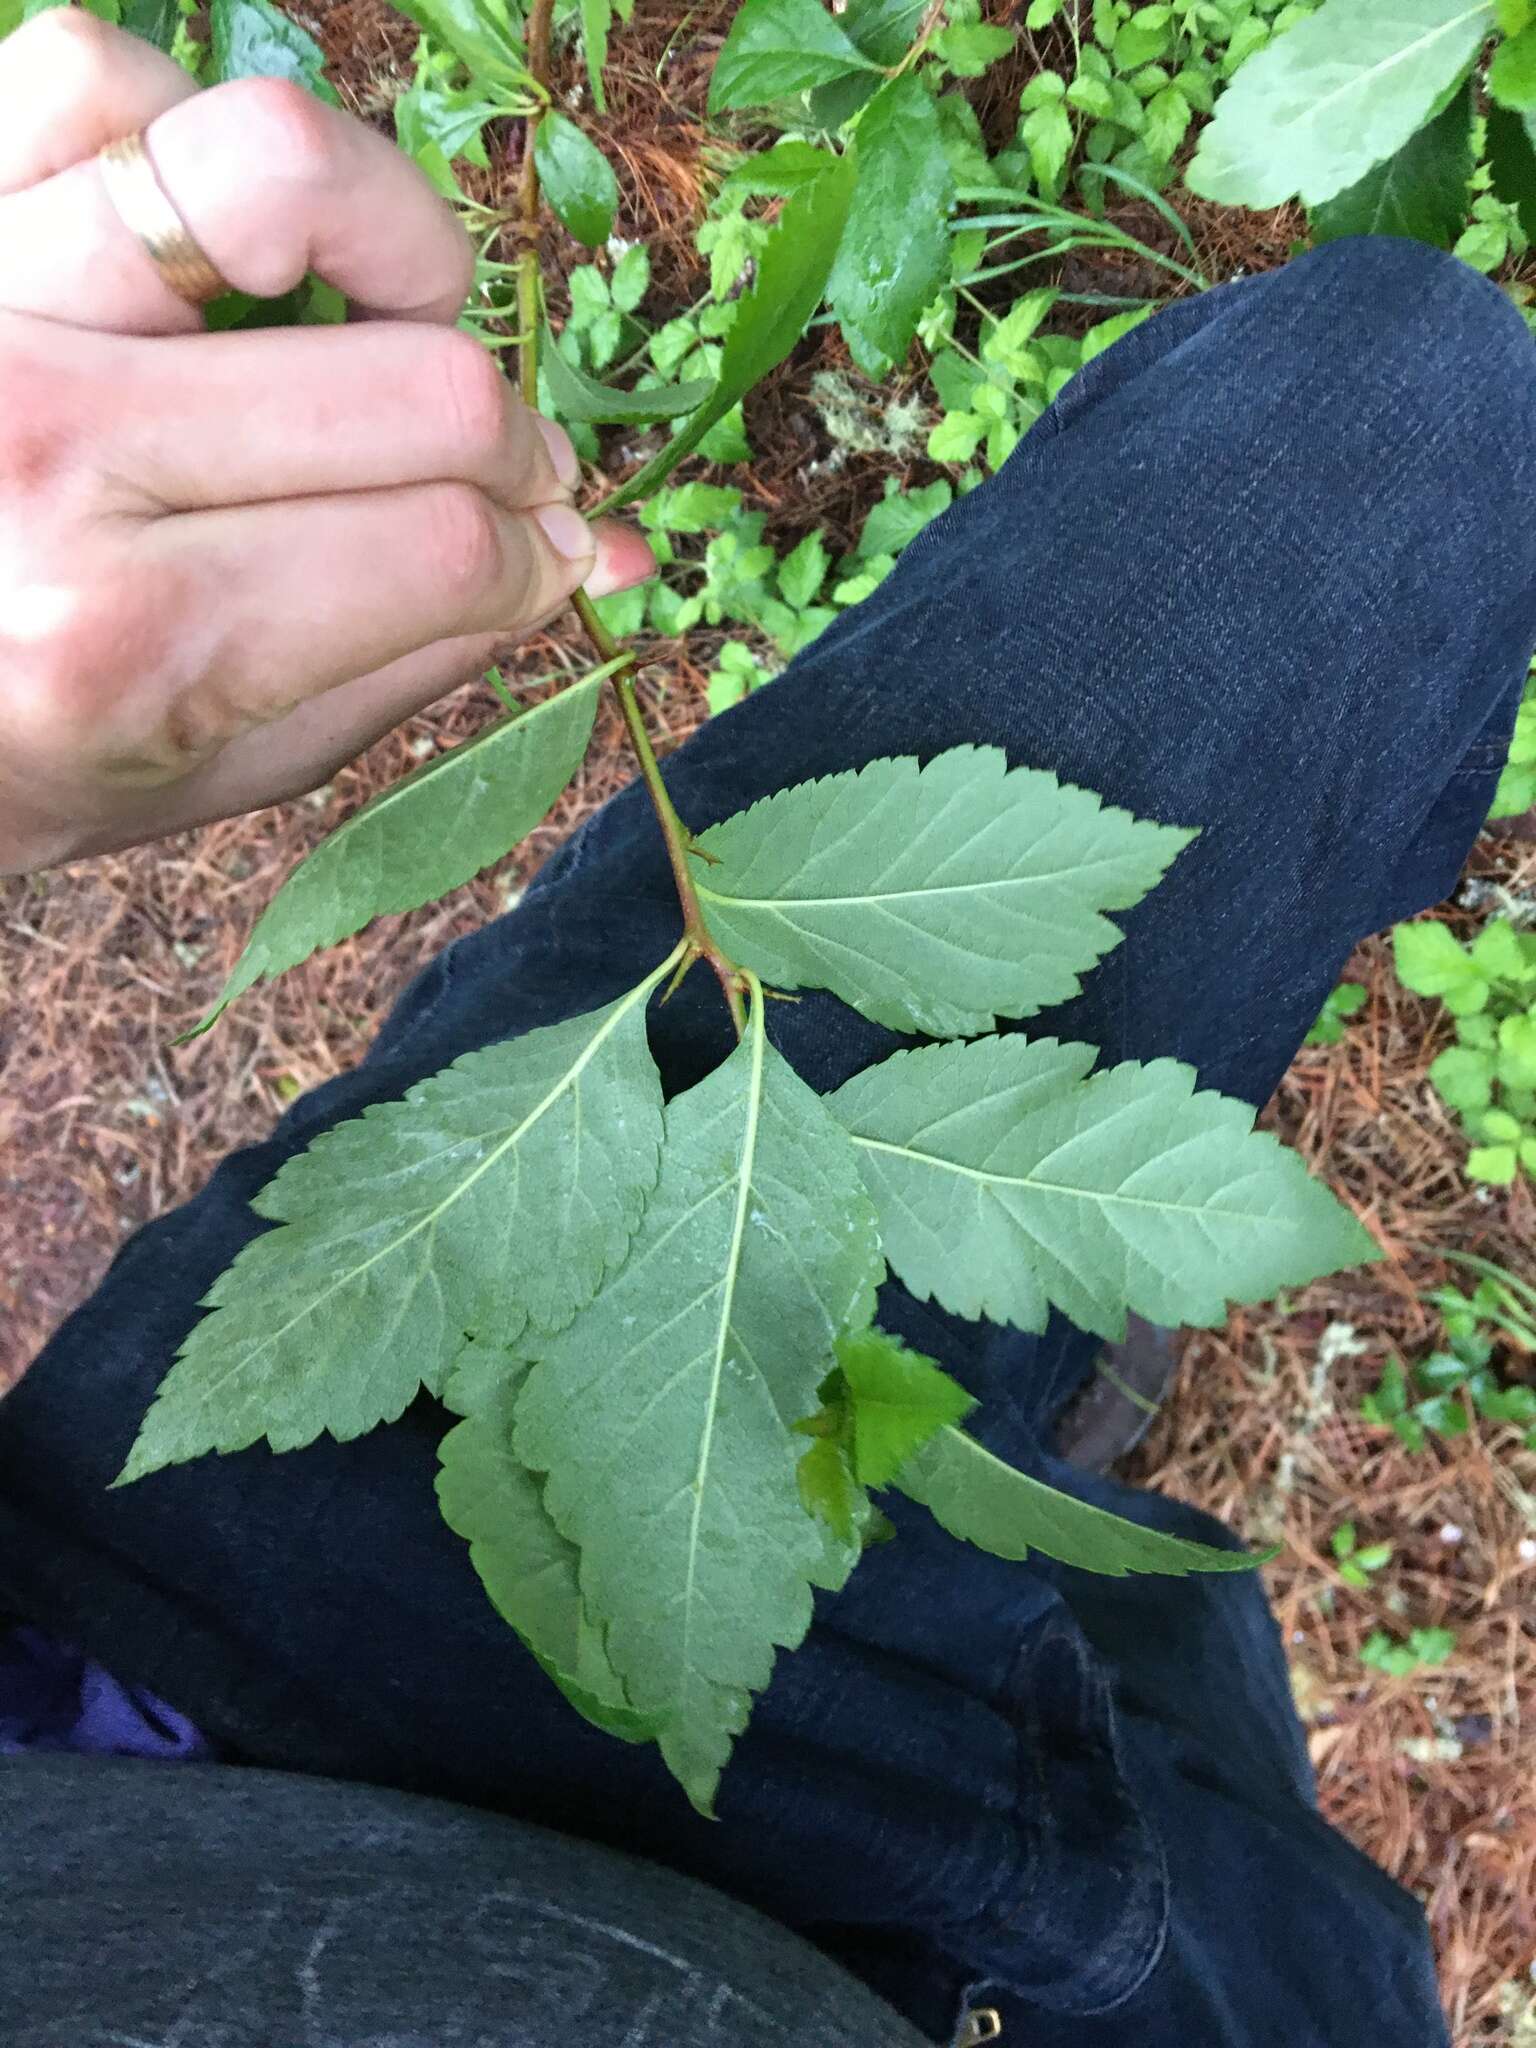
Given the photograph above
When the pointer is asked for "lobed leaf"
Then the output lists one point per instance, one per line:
(792, 274)
(932, 899)
(894, 257)
(527, 1568)
(978, 1498)
(1419, 193)
(424, 835)
(577, 179)
(1313, 111)
(664, 1415)
(491, 1196)
(777, 48)
(1006, 1184)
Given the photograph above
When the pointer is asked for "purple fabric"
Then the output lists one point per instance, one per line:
(53, 1698)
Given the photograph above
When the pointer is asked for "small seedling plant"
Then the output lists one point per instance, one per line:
(1440, 1395)
(654, 1320)
(1489, 1076)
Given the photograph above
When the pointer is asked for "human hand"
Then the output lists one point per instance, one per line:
(230, 561)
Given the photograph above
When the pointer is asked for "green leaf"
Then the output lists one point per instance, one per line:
(1166, 122)
(1431, 963)
(983, 1501)
(577, 178)
(1048, 136)
(894, 255)
(792, 274)
(493, 1195)
(803, 571)
(576, 396)
(932, 898)
(1318, 107)
(898, 1399)
(776, 172)
(421, 837)
(956, 437)
(777, 48)
(884, 29)
(900, 517)
(1419, 193)
(251, 39)
(596, 20)
(1512, 161)
(153, 21)
(631, 278)
(971, 47)
(1007, 1184)
(525, 1564)
(478, 34)
(1464, 1077)
(1512, 74)
(664, 1414)
(1495, 1165)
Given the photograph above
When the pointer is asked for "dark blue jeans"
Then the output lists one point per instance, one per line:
(1268, 566)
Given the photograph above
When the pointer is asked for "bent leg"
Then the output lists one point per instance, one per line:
(1267, 568)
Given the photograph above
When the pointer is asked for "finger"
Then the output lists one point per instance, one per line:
(316, 738)
(235, 419)
(70, 84)
(300, 597)
(272, 184)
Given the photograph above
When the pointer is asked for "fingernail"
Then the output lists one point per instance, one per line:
(561, 453)
(567, 532)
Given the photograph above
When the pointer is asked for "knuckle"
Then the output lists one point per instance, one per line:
(462, 541)
(468, 384)
(70, 48)
(283, 129)
(41, 423)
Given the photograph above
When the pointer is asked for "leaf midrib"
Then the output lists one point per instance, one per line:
(1363, 79)
(723, 1324)
(571, 1075)
(783, 904)
(990, 1179)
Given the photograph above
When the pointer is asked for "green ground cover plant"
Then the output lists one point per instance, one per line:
(1489, 1076)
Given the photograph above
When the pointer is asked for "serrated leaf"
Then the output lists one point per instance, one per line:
(1430, 962)
(777, 172)
(777, 48)
(578, 397)
(803, 571)
(898, 1400)
(1007, 1185)
(978, 1498)
(491, 1196)
(1512, 73)
(664, 1414)
(424, 835)
(1419, 193)
(1315, 109)
(792, 273)
(253, 39)
(894, 258)
(577, 178)
(527, 1568)
(932, 898)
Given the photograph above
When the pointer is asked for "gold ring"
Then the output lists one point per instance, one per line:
(147, 211)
